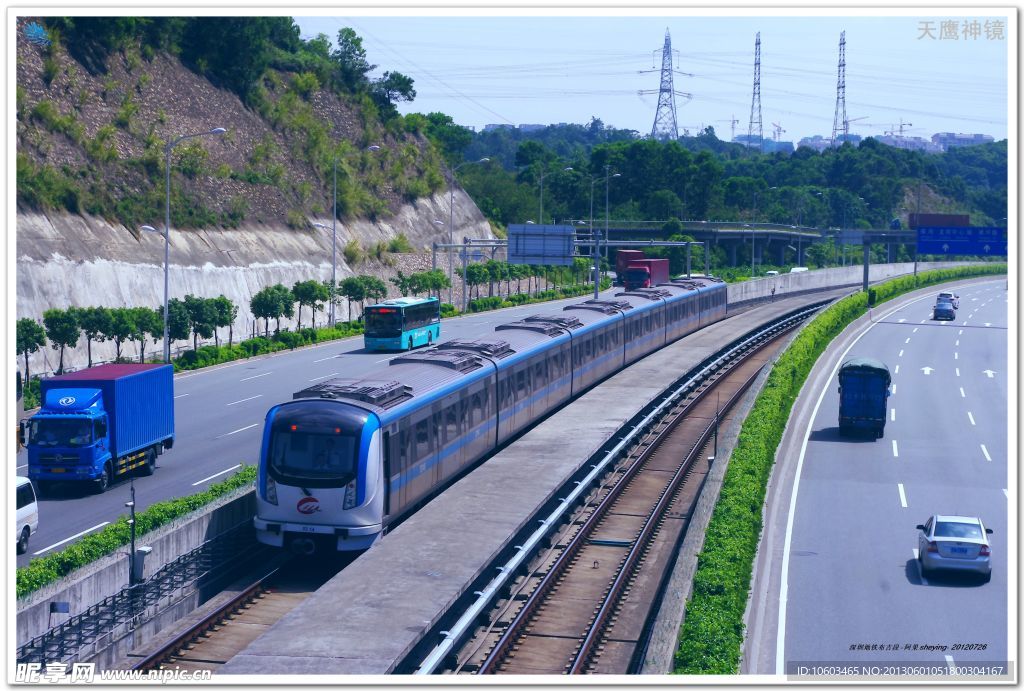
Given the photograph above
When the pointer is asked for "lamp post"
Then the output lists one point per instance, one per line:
(593, 181)
(433, 250)
(167, 225)
(451, 224)
(334, 231)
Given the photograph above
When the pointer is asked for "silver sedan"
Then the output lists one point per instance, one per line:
(954, 543)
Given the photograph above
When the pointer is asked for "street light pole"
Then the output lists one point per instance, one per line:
(451, 225)
(543, 174)
(167, 228)
(606, 179)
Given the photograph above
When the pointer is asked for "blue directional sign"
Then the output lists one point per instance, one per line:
(541, 244)
(979, 240)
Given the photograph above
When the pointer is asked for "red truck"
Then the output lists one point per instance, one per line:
(623, 258)
(645, 273)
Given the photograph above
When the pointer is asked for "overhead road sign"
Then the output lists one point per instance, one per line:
(548, 245)
(952, 241)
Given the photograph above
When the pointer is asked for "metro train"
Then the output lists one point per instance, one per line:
(348, 457)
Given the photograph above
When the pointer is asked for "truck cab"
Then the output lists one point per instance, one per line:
(100, 423)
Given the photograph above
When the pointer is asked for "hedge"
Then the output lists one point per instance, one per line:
(53, 567)
(712, 634)
(492, 303)
(215, 355)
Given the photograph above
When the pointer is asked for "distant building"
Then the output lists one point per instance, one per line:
(531, 128)
(817, 142)
(491, 128)
(947, 140)
(913, 143)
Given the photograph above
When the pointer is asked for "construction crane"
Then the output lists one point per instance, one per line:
(847, 125)
(778, 130)
(732, 124)
(902, 126)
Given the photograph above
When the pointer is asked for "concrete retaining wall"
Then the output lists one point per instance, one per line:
(759, 288)
(104, 577)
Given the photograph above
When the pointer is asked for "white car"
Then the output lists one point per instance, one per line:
(27, 517)
(954, 543)
(949, 297)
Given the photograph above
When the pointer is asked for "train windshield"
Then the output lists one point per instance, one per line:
(315, 444)
(383, 322)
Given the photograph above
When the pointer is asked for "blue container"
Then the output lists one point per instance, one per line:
(138, 399)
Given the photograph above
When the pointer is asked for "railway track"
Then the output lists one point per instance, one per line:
(231, 627)
(581, 603)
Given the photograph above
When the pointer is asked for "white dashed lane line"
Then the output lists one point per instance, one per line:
(256, 376)
(901, 354)
(206, 479)
(895, 449)
(69, 539)
(970, 417)
(962, 394)
(956, 355)
(915, 330)
(897, 370)
(987, 457)
(259, 395)
(324, 359)
(903, 496)
(181, 395)
(240, 429)
(958, 371)
(906, 341)
(332, 374)
(892, 415)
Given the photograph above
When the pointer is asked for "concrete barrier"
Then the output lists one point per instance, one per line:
(104, 577)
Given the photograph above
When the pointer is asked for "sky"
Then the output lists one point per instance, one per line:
(493, 69)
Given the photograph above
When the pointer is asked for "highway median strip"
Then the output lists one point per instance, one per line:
(712, 634)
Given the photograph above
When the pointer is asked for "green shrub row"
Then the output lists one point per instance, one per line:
(496, 302)
(53, 567)
(712, 635)
(206, 356)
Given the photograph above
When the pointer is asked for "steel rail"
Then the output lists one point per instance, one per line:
(154, 659)
(464, 624)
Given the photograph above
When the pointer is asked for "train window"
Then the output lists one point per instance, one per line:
(478, 408)
(540, 375)
(451, 423)
(520, 384)
(423, 438)
(505, 391)
(464, 413)
(404, 448)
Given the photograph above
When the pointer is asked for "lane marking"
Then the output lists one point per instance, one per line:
(915, 329)
(21, 466)
(181, 395)
(895, 449)
(987, 457)
(259, 395)
(897, 369)
(903, 496)
(239, 430)
(332, 374)
(970, 417)
(958, 371)
(69, 539)
(257, 376)
(217, 474)
(957, 342)
(956, 355)
(962, 394)
(961, 333)
(893, 414)
(901, 354)
(384, 360)
(914, 550)
(780, 638)
(907, 341)
(324, 359)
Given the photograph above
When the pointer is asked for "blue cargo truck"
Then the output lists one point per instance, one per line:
(100, 423)
(863, 396)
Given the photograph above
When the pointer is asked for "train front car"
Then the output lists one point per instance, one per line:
(319, 486)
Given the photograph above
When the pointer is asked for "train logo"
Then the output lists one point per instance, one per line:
(67, 400)
(308, 505)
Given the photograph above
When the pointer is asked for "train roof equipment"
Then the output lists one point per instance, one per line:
(649, 293)
(382, 394)
(458, 360)
(549, 326)
(494, 349)
(605, 306)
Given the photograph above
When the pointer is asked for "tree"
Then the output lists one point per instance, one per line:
(373, 288)
(201, 315)
(353, 290)
(284, 303)
(225, 313)
(95, 321)
(310, 293)
(31, 337)
(263, 305)
(122, 328)
(350, 57)
(147, 322)
(402, 282)
(63, 331)
(390, 88)
(177, 323)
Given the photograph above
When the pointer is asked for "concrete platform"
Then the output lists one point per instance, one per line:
(372, 614)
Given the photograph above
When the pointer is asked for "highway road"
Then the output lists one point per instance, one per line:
(219, 415)
(849, 588)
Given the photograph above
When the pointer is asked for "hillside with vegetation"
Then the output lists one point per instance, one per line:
(98, 104)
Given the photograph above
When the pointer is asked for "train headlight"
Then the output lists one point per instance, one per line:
(350, 495)
(270, 492)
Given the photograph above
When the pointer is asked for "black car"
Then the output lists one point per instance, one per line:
(943, 311)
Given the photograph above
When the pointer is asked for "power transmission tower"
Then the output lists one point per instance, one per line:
(840, 123)
(665, 127)
(755, 129)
